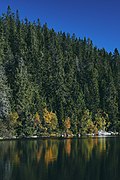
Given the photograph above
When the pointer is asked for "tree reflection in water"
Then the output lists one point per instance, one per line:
(90, 158)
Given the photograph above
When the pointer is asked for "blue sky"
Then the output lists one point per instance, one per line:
(97, 19)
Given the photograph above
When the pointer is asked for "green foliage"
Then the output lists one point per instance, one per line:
(5, 106)
(87, 126)
(101, 120)
(41, 68)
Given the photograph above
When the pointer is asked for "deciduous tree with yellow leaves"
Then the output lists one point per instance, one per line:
(50, 120)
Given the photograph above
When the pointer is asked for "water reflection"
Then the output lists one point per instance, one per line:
(67, 146)
(51, 151)
(84, 159)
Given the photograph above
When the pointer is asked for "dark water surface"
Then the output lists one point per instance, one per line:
(53, 159)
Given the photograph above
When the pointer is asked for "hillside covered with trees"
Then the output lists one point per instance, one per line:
(53, 82)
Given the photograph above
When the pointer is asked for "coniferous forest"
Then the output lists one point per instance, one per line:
(53, 82)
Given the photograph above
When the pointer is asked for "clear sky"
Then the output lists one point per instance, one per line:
(97, 19)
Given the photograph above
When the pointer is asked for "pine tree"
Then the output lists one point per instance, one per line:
(5, 106)
(42, 68)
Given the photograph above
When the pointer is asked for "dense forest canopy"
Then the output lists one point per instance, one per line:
(51, 82)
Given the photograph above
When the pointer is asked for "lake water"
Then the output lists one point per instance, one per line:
(53, 159)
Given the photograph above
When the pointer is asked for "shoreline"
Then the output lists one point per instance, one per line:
(55, 137)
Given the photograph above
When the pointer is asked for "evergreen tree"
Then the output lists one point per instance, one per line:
(40, 68)
(5, 106)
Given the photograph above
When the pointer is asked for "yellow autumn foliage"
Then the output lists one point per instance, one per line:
(14, 117)
(50, 119)
(37, 117)
(67, 123)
